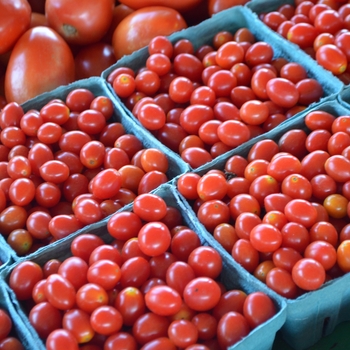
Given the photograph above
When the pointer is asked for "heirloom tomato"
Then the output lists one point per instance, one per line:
(137, 29)
(40, 61)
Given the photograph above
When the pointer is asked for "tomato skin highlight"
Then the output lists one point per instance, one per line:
(137, 29)
(32, 70)
(15, 20)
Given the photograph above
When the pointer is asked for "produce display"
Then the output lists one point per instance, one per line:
(81, 169)
(319, 28)
(173, 175)
(149, 272)
(203, 104)
(282, 212)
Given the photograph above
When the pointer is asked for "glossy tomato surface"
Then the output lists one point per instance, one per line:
(14, 21)
(82, 22)
(137, 29)
(40, 61)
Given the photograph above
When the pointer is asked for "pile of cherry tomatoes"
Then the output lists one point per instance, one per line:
(202, 104)
(155, 283)
(67, 165)
(320, 28)
(283, 211)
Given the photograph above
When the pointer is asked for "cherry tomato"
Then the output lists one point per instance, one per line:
(154, 238)
(232, 327)
(202, 293)
(265, 237)
(98, 320)
(90, 296)
(60, 292)
(339, 62)
(245, 254)
(150, 326)
(23, 277)
(149, 207)
(308, 274)
(45, 318)
(163, 300)
(60, 339)
(281, 281)
(77, 322)
(258, 307)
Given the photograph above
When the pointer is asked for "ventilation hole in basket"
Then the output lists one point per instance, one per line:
(325, 326)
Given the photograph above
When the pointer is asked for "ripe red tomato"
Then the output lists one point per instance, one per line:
(90, 296)
(32, 70)
(205, 261)
(101, 314)
(23, 278)
(61, 339)
(6, 324)
(60, 292)
(202, 293)
(183, 333)
(265, 238)
(45, 318)
(85, 23)
(149, 207)
(339, 61)
(106, 183)
(232, 327)
(258, 307)
(281, 281)
(131, 35)
(15, 20)
(308, 274)
(163, 300)
(154, 238)
(78, 323)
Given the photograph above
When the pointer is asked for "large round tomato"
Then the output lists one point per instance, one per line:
(82, 22)
(40, 61)
(137, 29)
(14, 21)
(183, 5)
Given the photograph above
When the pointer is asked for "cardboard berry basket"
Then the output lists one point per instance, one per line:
(98, 87)
(262, 7)
(261, 337)
(7, 255)
(20, 326)
(314, 314)
(344, 97)
(231, 20)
